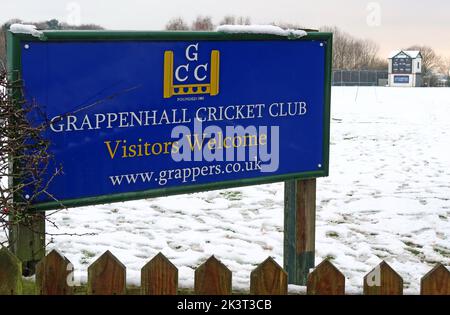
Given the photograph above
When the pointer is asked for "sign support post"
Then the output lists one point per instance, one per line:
(299, 229)
(28, 242)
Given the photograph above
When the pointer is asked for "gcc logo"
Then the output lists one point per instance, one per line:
(183, 72)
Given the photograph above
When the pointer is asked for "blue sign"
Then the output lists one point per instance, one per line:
(401, 79)
(134, 118)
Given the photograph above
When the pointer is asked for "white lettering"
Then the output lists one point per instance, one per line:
(177, 72)
(205, 67)
(194, 56)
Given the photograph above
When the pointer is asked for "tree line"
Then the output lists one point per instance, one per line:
(349, 52)
(52, 24)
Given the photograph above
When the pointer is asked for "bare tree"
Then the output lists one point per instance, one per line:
(353, 53)
(45, 25)
(431, 62)
(233, 20)
(203, 23)
(24, 157)
(177, 24)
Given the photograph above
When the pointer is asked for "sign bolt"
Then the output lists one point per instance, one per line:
(26, 46)
(319, 165)
(27, 196)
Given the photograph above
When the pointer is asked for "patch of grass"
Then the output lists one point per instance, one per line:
(442, 251)
(28, 287)
(87, 255)
(413, 251)
(332, 234)
(383, 250)
(232, 195)
(411, 244)
(442, 217)
(338, 222)
(330, 257)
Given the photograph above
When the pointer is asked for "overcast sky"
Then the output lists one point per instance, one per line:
(391, 23)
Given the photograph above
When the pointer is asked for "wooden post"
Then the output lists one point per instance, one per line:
(299, 229)
(27, 242)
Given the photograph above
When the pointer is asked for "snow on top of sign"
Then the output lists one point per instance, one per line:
(25, 29)
(260, 29)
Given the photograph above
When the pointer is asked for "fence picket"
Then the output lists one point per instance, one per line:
(10, 273)
(107, 276)
(268, 279)
(436, 281)
(326, 279)
(159, 277)
(212, 278)
(53, 274)
(383, 280)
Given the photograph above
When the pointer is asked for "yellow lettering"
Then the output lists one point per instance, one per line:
(111, 152)
(212, 143)
(197, 143)
(263, 139)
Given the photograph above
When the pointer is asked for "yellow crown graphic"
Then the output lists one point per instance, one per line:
(171, 89)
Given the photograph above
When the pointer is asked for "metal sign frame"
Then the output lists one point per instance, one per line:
(15, 68)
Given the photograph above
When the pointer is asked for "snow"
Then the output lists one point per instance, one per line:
(260, 29)
(387, 197)
(411, 53)
(25, 29)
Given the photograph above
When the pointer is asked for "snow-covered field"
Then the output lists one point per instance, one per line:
(387, 197)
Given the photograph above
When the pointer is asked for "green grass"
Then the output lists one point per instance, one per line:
(442, 251)
(232, 195)
(330, 257)
(332, 234)
(414, 251)
(87, 255)
(411, 244)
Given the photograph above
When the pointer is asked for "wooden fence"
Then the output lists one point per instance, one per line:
(107, 275)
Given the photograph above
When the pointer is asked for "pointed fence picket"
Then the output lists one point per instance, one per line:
(107, 275)
(436, 281)
(159, 277)
(383, 280)
(54, 275)
(326, 279)
(268, 279)
(212, 278)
